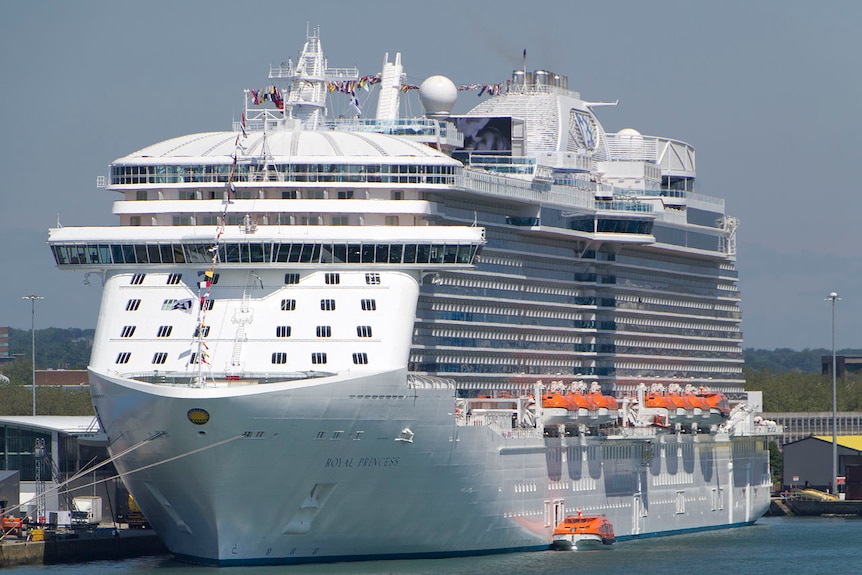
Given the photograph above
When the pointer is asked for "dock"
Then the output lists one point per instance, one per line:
(81, 546)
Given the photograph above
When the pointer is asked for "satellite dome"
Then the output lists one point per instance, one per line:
(438, 95)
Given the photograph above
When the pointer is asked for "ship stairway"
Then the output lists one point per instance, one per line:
(242, 317)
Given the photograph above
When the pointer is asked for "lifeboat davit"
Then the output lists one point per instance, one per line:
(583, 532)
(717, 405)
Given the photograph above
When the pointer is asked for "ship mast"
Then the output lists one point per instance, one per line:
(306, 99)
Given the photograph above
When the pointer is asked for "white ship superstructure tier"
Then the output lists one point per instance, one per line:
(323, 340)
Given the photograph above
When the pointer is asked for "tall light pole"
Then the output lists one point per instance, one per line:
(833, 297)
(33, 299)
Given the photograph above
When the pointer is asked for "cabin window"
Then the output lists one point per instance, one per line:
(123, 357)
(208, 304)
(291, 278)
(174, 279)
(372, 279)
(202, 332)
(165, 331)
(332, 278)
(128, 331)
(369, 305)
(318, 358)
(324, 331)
(360, 358)
(327, 304)
(288, 305)
(160, 357)
(133, 305)
(363, 330)
(138, 279)
(279, 357)
(282, 331)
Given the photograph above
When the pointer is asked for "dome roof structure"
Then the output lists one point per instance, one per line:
(285, 145)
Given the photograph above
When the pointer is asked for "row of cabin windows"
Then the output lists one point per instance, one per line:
(143, 196)
(280, 331)
(286, 305)
(278, 357)
(173, 279)
(331, 278)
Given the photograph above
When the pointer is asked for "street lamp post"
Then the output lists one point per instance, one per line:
(33, 299)
(833, 297)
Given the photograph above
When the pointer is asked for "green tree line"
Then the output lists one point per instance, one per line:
(55, 349)
(790, 380)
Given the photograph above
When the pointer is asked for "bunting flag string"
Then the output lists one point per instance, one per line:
(349, 88)
(207, 277)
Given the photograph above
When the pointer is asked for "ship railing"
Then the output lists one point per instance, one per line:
(500, 186)
(186, 379)
(673, 156)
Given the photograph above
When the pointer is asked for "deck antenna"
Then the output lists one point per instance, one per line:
(525, 62)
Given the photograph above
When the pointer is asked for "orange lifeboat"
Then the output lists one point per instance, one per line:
(583, 532)
(573, 404)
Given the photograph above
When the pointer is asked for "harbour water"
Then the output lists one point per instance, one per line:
(775, 545)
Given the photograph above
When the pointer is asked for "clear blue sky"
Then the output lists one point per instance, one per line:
(768, 92)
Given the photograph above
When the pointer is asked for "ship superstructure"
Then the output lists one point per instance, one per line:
(345, 339)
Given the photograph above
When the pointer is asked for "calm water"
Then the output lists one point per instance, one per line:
(776, 545)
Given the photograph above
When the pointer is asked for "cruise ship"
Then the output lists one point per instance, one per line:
(343, 338)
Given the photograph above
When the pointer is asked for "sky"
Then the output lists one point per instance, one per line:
(768, 92)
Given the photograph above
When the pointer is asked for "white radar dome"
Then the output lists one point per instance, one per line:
(438, 95)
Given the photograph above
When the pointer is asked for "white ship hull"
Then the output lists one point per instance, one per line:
(282, 475)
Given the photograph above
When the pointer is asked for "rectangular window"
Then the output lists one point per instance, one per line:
(291, 278)
(372, 279)
(208, 304)
(279, 357)
(360, 358)
(160, 357)
(288, 305)
(369, 305)
(133, 305)
(282, 331)
(332, 278)
(174, 279)
(324, 331)
(128, 331)
(363, 330)
(123, 357)
(345, 195)
(194, 357)
(168, 304)
(391, 220)
(165, 331)
(318, 358)
(138, 279)
(327, 304)
(205, 331)
(340, 220)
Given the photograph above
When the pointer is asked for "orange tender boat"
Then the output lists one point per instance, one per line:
(583, 532)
